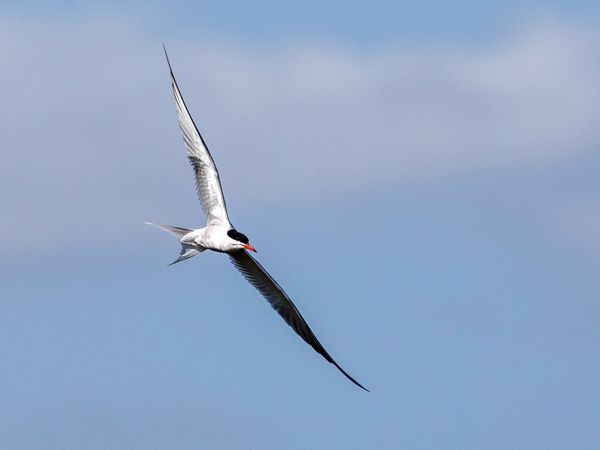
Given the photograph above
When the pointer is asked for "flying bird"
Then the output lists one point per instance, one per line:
(220, 236)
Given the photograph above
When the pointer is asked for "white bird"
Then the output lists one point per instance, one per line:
(219, 235)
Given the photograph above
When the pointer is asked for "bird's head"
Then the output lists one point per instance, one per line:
(240, 240)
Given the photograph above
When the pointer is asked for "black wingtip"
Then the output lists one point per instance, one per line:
(167, 58)
(347, 375)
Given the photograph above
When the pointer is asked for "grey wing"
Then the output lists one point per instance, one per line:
(208, 183)
(258, 277)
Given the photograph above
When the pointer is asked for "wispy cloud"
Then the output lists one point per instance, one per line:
(90, 133)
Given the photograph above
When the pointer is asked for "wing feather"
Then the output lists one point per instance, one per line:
(258, 277)
(208, 183)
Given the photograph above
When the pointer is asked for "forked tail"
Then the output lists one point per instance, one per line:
(187, 251)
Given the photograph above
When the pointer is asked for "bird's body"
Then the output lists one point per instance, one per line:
(220, 236)
(210, 238)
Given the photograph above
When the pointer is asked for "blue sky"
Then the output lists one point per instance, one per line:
(421, 179)
(349, 22)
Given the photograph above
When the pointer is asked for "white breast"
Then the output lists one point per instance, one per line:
(215, 238)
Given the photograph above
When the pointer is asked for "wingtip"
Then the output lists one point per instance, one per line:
(167, 58)
(347, 375)
(359, 385)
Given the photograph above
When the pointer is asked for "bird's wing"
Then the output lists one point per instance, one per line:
(208, 184)
(258, 277)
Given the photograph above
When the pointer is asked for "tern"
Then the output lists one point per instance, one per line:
(220, 236)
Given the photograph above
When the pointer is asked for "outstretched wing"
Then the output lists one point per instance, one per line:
(208, 184)
(258, 277)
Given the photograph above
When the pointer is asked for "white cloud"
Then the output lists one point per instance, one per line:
(90, 136)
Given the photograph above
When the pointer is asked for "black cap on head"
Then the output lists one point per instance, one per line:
(235, 234)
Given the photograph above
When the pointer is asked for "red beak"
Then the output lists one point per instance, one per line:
(249, 247)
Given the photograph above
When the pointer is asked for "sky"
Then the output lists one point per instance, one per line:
(420, 177)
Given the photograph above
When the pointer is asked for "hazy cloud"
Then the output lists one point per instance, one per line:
(90, 135)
